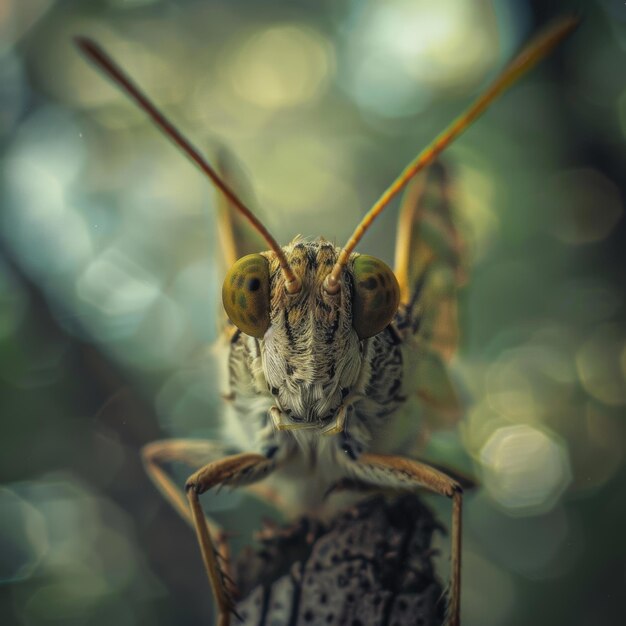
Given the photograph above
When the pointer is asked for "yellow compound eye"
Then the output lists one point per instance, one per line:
(376, 296)
(246, 295)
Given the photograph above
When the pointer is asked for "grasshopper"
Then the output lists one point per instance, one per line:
(322, 347)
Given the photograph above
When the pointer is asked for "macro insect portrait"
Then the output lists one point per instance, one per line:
(321, 351)
(287, 453)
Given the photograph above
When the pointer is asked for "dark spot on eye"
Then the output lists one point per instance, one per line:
(253, 319)
(388, 296)
(254, 284)
(233, 294)
(240, 281)
(242, 301)
(382, 279)
(370, 284)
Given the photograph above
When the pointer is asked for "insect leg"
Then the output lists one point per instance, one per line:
(395, 472)
(235, 470)
(192, 452)
(196, 453)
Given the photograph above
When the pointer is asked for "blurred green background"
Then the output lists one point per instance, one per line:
(109, 285)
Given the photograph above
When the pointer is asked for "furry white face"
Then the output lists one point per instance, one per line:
(312, 338)
(312, 352)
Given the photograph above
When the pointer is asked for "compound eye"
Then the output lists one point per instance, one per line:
(246, 295)
(376, 296)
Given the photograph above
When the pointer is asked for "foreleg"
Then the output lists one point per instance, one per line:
(235, 470)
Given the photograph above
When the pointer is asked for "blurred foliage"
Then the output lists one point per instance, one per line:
(109, 286)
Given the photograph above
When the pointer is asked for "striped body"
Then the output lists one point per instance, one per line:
(309, 365)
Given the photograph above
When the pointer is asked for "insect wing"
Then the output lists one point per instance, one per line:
(237, 237)
(431, 266)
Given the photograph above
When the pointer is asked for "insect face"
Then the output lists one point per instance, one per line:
(311, 351)
(312, 338)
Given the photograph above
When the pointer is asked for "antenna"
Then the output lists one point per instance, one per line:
(98, 56)
(530, 55)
